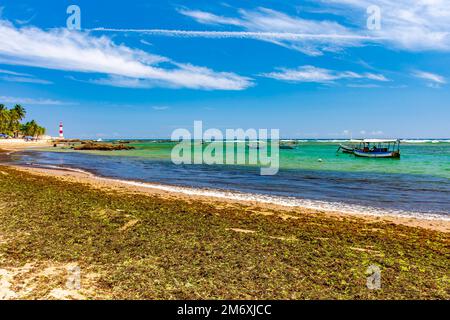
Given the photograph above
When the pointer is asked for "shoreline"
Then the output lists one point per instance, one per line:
(217, 197)
(170, 192)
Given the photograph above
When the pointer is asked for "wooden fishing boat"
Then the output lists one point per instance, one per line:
(378, 148)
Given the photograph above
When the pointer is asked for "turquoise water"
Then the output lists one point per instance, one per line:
(312, 174)
(416, 158)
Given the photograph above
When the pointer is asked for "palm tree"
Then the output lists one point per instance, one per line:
(4, 119)
(10, 123)
(16, 115)
(20, 111)
(32, 129)
(41, 131)
(24, 129)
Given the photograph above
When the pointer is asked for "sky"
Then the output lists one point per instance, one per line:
(313, 69)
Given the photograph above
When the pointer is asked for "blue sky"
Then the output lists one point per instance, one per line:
(313, 69)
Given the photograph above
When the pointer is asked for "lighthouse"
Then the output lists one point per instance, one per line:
(61, 131)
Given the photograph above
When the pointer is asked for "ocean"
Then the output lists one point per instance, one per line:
(311, 175)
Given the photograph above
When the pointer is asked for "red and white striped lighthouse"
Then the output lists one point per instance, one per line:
(61, 131)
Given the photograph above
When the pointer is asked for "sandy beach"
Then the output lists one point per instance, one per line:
(248, 154)
(135, 242)
(21, 144)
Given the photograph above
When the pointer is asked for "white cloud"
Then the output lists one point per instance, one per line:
(12, 76)
(13, 73)
(146, 42)
(123, 82)
(160, 108)
(413, 25)
(363, 86)
(376, 77)
(309, 36)
(209, 18)
(319, 75)
(24, 80)
(31, 101)
(434, 78)
(25, 21)
(372, 133)
(61, 49)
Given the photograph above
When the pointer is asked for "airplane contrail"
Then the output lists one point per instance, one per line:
(241, 34)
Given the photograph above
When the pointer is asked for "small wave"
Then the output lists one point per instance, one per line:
(415, 141)
(332, 140)
(50, 166)
(295, 140)
(425, 141)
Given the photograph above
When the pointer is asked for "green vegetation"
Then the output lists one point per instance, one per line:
(10, 123)
(148, 247)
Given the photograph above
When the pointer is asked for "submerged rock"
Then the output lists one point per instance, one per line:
(102, 146)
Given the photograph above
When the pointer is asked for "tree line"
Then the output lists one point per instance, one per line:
(11, 123)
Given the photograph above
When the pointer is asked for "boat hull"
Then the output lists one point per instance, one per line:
(346, 149)
(362, 154)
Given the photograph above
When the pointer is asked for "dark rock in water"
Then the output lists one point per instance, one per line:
(286, 147)
(66, 140)
(102, 146)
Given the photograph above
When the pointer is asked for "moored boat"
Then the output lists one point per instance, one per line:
(345, 149)
(378, 148)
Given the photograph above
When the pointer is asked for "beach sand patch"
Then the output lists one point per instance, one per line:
(290, 238)
(285, 217)
(46, 281)
(129, 224)
(5, 285)
(241, 230)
